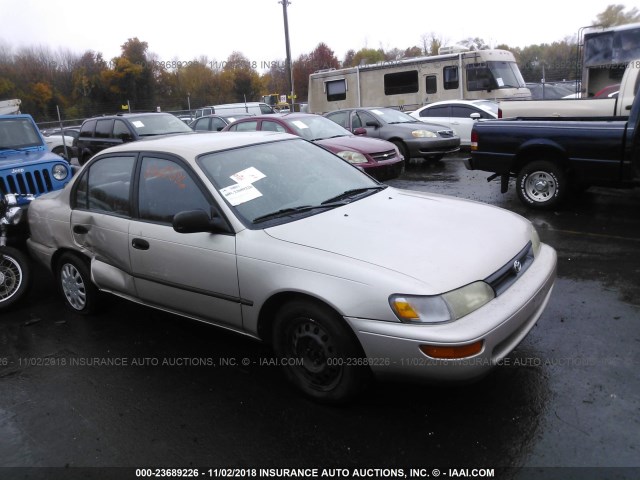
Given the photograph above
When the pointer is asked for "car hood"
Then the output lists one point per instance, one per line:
(442, 242)
(359, 144)
(418, 125)
(12, 158)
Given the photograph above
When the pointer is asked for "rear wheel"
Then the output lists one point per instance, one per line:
(319, 351)
(74, 281)
(542, 185)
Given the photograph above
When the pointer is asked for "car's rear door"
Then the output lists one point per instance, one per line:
(100, 218)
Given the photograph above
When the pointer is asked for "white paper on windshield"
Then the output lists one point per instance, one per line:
(500, 82)
(248, 175)
(300, 124)
(377, 112)
(138, 124)
(239, 193)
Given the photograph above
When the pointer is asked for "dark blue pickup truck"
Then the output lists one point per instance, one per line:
(549, 157)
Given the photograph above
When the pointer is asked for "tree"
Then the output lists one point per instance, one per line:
(615, 15)
(431, 43)
(132, 76)
(239, 81)
(321, 58)
(366, 56)
(474, 43)
(348, 58)
(412, 52)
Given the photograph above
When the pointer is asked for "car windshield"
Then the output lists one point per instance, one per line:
(284, 180)
(147, 125)
(315, 127)
(18, 133)
(390, 115)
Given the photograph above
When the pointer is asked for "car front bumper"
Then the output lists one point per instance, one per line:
(428, 148)
(393, 349)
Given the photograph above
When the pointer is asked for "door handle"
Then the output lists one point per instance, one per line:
(80, 229)
(140, 244)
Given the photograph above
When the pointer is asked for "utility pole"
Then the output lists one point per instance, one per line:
(285, 4)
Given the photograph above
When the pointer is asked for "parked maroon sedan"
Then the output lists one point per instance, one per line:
(378, 158)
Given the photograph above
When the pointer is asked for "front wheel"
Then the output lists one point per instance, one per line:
(403, 149)
(15, 276)
(541, 185)
(74, 281)
(319, 351)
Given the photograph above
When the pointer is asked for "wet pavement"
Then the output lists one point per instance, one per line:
(134, 387)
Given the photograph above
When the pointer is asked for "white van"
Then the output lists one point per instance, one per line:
(254, 108)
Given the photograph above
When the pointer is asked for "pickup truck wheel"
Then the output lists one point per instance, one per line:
(74, 281)
(541, 184)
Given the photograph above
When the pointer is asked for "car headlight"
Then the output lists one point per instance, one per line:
(535, 241)
(441, 308)
(424, 134)
(352, 157)
(60, 171)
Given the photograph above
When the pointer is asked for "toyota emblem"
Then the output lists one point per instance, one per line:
(517, 266)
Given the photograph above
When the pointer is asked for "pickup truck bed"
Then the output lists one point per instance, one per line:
(548, 156)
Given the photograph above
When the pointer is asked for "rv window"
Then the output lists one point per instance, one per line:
(431, 84)
(479, 77)
(336, 90)
(402, 82)
(450, 75)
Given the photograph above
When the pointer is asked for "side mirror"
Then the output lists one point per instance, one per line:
(360, 131)
(373, 124)
(475, 116)
(194, 221)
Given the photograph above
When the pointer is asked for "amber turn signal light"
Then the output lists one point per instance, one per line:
(453, 352)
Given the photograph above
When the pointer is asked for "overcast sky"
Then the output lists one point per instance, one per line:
(188, 29)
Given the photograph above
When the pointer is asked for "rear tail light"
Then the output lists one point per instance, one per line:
(499, 113)
(474, 140)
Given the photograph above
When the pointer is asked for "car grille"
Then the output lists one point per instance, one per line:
(382, 156)
(35, 182)
(446, 133)
(509, 273)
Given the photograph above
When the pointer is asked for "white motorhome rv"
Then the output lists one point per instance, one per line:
(456, 73)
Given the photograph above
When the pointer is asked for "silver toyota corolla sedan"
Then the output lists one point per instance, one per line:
(272, 236)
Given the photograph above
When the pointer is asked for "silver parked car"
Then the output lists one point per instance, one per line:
(270, 235)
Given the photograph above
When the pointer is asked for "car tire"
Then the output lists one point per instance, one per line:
(319, 352)
(15, 276)
(541, 185)
(60, 151)
(402, 148)
(73, 277)
(83, 157)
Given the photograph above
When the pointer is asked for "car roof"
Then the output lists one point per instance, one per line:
(191, 144)
(281, 116)
(128, 115)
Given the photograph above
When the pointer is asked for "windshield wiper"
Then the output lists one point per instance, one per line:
(292, 210)
(353, 192)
